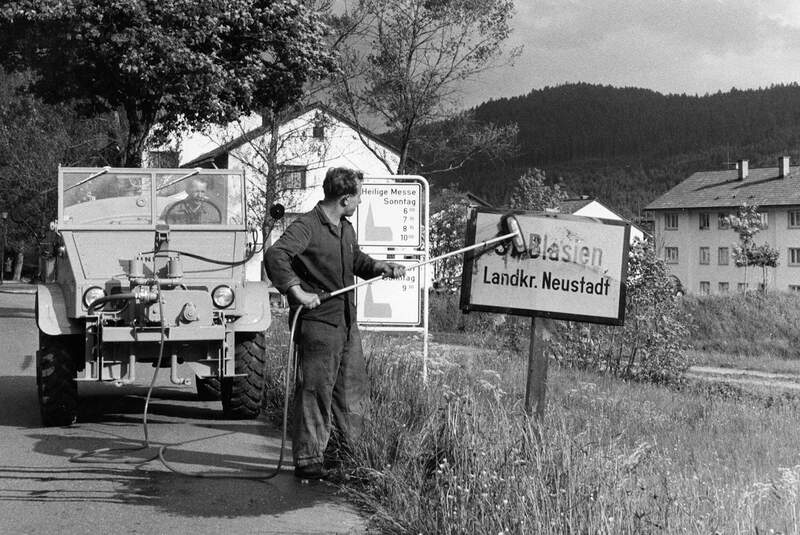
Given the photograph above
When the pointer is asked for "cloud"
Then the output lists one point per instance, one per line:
(676, 46)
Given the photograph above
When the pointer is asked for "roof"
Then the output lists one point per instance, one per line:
(262, 130)
(570, 206)
(723, 189)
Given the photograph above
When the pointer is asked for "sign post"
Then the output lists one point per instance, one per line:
(573, 268)
(536, 382)
(392, 224)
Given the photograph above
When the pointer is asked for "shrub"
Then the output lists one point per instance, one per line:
(651, 345)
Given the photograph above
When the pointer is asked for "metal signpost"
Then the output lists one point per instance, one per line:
(392, 224)
(574, 268)
(3, 221)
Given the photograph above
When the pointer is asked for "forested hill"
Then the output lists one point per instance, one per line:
(626, 146)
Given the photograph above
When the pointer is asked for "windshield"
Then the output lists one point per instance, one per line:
(176, 197)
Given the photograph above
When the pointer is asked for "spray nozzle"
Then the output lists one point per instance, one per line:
(511, 225)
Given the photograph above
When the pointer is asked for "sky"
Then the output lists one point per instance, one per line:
(671, 46)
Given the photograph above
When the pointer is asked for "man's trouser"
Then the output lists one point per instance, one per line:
(331, 388)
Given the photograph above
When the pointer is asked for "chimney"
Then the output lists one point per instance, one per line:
(744, 168)
(783, 166)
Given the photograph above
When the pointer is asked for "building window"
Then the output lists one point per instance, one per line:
(705, 255)
(705, 287)
(722, 222)
(293, 176)
(794, 288)
(723, 287)
(741, 287)
(671, 255)
(764, 216)
(705, 221)
(794, 256)
(318, 131)
(723, 256)
(794, 218)
(671, 221)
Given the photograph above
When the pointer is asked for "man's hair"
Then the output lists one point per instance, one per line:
(199, 181)
(341, 181)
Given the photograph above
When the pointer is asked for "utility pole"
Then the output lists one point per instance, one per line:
(3, 219)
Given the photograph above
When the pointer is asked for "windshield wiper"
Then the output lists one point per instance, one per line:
(103, 171)
(180, 179)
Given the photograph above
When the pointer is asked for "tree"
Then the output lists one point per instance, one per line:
(404, 62)
(532, 192)
(34, 139)
(164, 65)
(747, 222)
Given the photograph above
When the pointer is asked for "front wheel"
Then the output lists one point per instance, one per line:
(241, 396)
(55, 379)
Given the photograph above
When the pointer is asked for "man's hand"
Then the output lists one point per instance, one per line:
(307, 299)
(392, 270)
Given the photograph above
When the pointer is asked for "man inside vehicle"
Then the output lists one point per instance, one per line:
(195, 209)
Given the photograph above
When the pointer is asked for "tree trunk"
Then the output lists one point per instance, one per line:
(139, 124)
(18, 266)
(271, 185)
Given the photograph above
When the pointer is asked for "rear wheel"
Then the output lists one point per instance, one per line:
(208, 388)
(241, 396)
(55, 378)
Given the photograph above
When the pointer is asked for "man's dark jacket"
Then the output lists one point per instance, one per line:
(320, 257)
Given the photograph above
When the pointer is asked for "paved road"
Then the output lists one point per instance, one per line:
(41, 491)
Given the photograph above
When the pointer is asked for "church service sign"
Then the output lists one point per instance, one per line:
(573, 268)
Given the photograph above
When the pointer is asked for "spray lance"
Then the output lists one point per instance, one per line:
(509, 227)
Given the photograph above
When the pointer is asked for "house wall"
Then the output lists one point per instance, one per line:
(689, 238)
(195, 144)
(596, 209)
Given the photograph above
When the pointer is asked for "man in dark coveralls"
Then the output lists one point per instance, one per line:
(319, 253)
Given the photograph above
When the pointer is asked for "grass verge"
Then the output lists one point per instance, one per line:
(458, 455)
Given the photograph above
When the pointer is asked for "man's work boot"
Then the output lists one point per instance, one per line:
(312, 471)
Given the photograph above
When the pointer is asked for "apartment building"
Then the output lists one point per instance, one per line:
(692, 237)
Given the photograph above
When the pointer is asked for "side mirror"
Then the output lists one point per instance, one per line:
(276, 211)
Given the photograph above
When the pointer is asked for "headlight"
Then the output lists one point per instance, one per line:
(92, 294)
(222, 296)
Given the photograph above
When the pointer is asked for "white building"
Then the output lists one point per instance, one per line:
(588, 207)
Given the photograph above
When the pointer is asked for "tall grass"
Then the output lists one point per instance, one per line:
(746, 325)
(459, 456)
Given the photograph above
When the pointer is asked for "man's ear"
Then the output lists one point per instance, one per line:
(343, 200)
